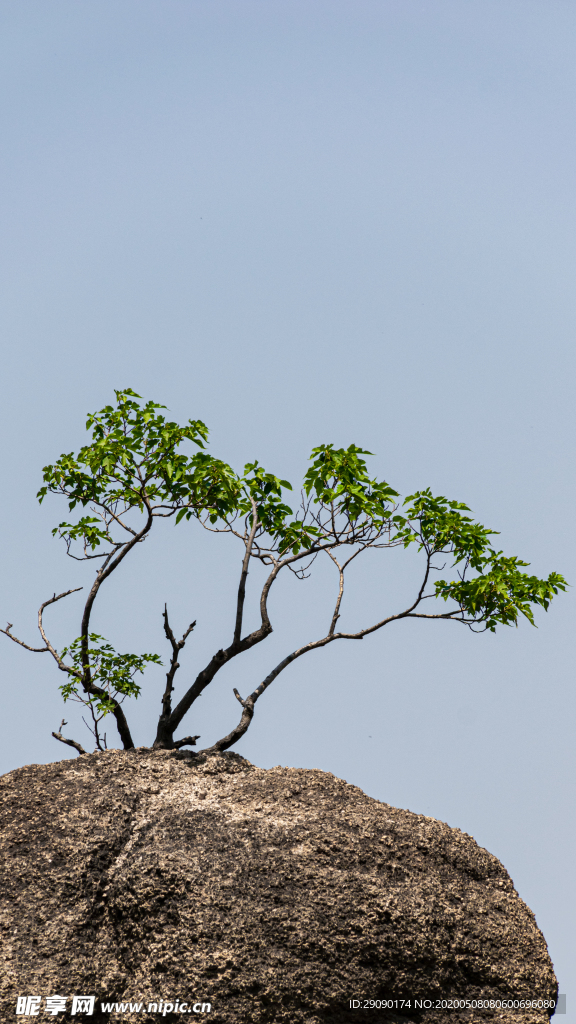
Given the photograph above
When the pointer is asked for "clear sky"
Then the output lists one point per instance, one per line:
(309, 222)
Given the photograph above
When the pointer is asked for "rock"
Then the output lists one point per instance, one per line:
(275, 896)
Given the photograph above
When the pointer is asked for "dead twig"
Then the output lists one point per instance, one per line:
(69, 743)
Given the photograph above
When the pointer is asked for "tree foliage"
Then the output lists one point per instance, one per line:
(137, 468)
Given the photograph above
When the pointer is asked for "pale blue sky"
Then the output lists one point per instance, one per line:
(307, 222)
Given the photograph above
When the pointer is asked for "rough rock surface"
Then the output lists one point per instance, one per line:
(274, 895)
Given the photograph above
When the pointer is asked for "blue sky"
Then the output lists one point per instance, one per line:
(304, 223)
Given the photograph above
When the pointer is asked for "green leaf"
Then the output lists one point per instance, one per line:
(109, 670)
(134, 462)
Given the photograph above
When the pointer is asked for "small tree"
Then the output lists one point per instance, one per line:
(133, 473)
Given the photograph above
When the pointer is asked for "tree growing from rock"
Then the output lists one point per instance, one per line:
(135, 472)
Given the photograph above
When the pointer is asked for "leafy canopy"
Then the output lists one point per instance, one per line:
(137, 464)
(498, 591)
(133, 462)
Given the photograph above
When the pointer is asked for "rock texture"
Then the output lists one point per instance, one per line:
(276, 896)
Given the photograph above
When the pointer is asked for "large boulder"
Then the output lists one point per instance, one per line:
(283, 896)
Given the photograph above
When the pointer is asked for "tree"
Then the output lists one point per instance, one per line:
(133, 473)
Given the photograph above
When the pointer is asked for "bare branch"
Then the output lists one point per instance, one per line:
(61, 665)
(36, 650)
(242, 585)
(94, 730)
(223, 656)
(366, 535)
(87, 558)
(445, 615)
(69, 743)
(238, 732)
(188, 741)
(117, 519)
(165, 730)
(249, 702)
(336, 614)
(100, 577)
(174, 663)
(302, 573)
(48, 646)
